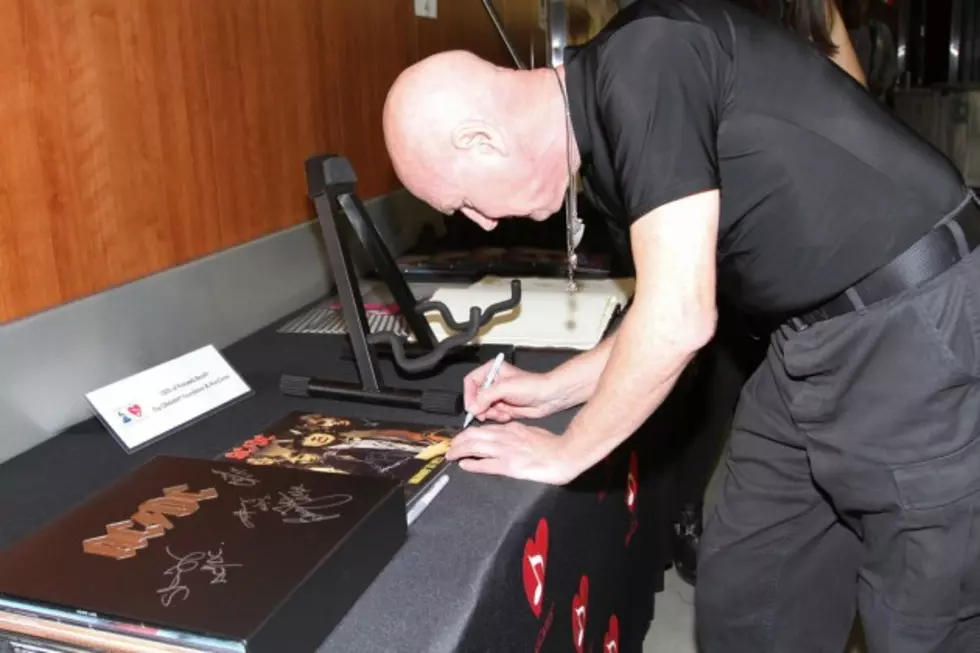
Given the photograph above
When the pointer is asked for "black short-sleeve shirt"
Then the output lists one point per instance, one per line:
(820, 184)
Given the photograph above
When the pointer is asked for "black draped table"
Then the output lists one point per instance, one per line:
(493, 564)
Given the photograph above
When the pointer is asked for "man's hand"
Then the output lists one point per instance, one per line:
(514, 450)
(515, 394)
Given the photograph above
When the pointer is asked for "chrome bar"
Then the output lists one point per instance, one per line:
(955, 40)
(557, 33)
(902, 37)
(499, 26)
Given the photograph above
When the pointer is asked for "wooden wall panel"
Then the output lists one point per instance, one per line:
(182, 109)
(462, 25)
(265, 61)
(24, 243)
(136, 135)
(521, 20)
(379, 42)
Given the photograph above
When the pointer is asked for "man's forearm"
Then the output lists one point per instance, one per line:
(578, 376)
(643, 365)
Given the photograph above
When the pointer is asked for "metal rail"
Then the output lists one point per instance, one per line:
(499, 26)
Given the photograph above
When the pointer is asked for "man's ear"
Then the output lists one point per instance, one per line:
(479, 135)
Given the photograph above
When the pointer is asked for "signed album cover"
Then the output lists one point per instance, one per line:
(412, 454)
(200, 555)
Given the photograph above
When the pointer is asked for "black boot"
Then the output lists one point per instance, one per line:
(687, 536)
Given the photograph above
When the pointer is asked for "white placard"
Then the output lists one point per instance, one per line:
(156, 402)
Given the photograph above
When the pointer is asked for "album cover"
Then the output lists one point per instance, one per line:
(202, 555)
(509, 262)
(411, 454)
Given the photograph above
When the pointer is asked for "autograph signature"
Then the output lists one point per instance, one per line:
(206, 562)
(386, 461)
(237, 477)
(249, 507)
(298, 507)
(295, 507)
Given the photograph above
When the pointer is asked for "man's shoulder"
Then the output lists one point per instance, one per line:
(657, 26)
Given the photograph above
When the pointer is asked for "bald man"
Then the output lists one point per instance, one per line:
(730, 148)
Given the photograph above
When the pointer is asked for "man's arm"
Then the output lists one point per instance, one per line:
(672, 317)
(661, 122)
(578, 376)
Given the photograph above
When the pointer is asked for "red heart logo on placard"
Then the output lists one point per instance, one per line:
(580, 605)
(610, 643)
(632, 485)
(135, 410)
(535, 566)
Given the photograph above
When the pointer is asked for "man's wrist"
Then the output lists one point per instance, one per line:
(563, 389)
(569, 460)
(555, 392)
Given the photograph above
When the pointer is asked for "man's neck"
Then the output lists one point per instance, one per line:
(546, 131)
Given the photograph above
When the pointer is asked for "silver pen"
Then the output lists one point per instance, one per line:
(487, 382)
(425, 499)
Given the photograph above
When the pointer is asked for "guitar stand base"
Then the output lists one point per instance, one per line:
(469, 354)
(438, 402)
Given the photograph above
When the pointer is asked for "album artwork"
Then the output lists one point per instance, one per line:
(414, 455)
(188, 554)
(510, 262)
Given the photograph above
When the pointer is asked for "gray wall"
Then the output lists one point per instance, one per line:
(48, 362)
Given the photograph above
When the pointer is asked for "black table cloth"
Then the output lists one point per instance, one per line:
(466, 578)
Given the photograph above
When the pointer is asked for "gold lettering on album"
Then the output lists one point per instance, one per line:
(123, 539)
(425, 471)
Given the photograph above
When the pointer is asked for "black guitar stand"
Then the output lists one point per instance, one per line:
(331, 184)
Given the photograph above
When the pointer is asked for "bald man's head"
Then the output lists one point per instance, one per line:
(466, 135)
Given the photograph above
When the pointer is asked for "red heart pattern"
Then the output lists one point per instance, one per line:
(632, 484)
(580, 614)
(608, 470)
(535, 567)
(135, 410)
(610, 643)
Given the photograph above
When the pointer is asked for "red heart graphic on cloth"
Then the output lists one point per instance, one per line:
(632, 484)
(580, 605)
(608, 473)
(610, 643)
(535, 566)
(135, 410)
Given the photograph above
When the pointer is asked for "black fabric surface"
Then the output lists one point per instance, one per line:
(456, 584)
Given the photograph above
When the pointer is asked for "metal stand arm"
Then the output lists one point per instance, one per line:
(331, 185)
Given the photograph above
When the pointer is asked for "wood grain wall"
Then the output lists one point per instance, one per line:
(136, 135)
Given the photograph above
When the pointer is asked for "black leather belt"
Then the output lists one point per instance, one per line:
(939, 250)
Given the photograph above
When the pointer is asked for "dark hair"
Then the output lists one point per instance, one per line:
(809, 19)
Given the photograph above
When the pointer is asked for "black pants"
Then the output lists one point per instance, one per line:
(720, 370)
(854, 482)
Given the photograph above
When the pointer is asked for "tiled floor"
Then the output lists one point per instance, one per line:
(673, 627)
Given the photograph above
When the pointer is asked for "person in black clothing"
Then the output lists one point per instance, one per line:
(749, 166)
(739, 347)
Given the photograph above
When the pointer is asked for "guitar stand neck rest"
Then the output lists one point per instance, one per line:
(331, 184)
